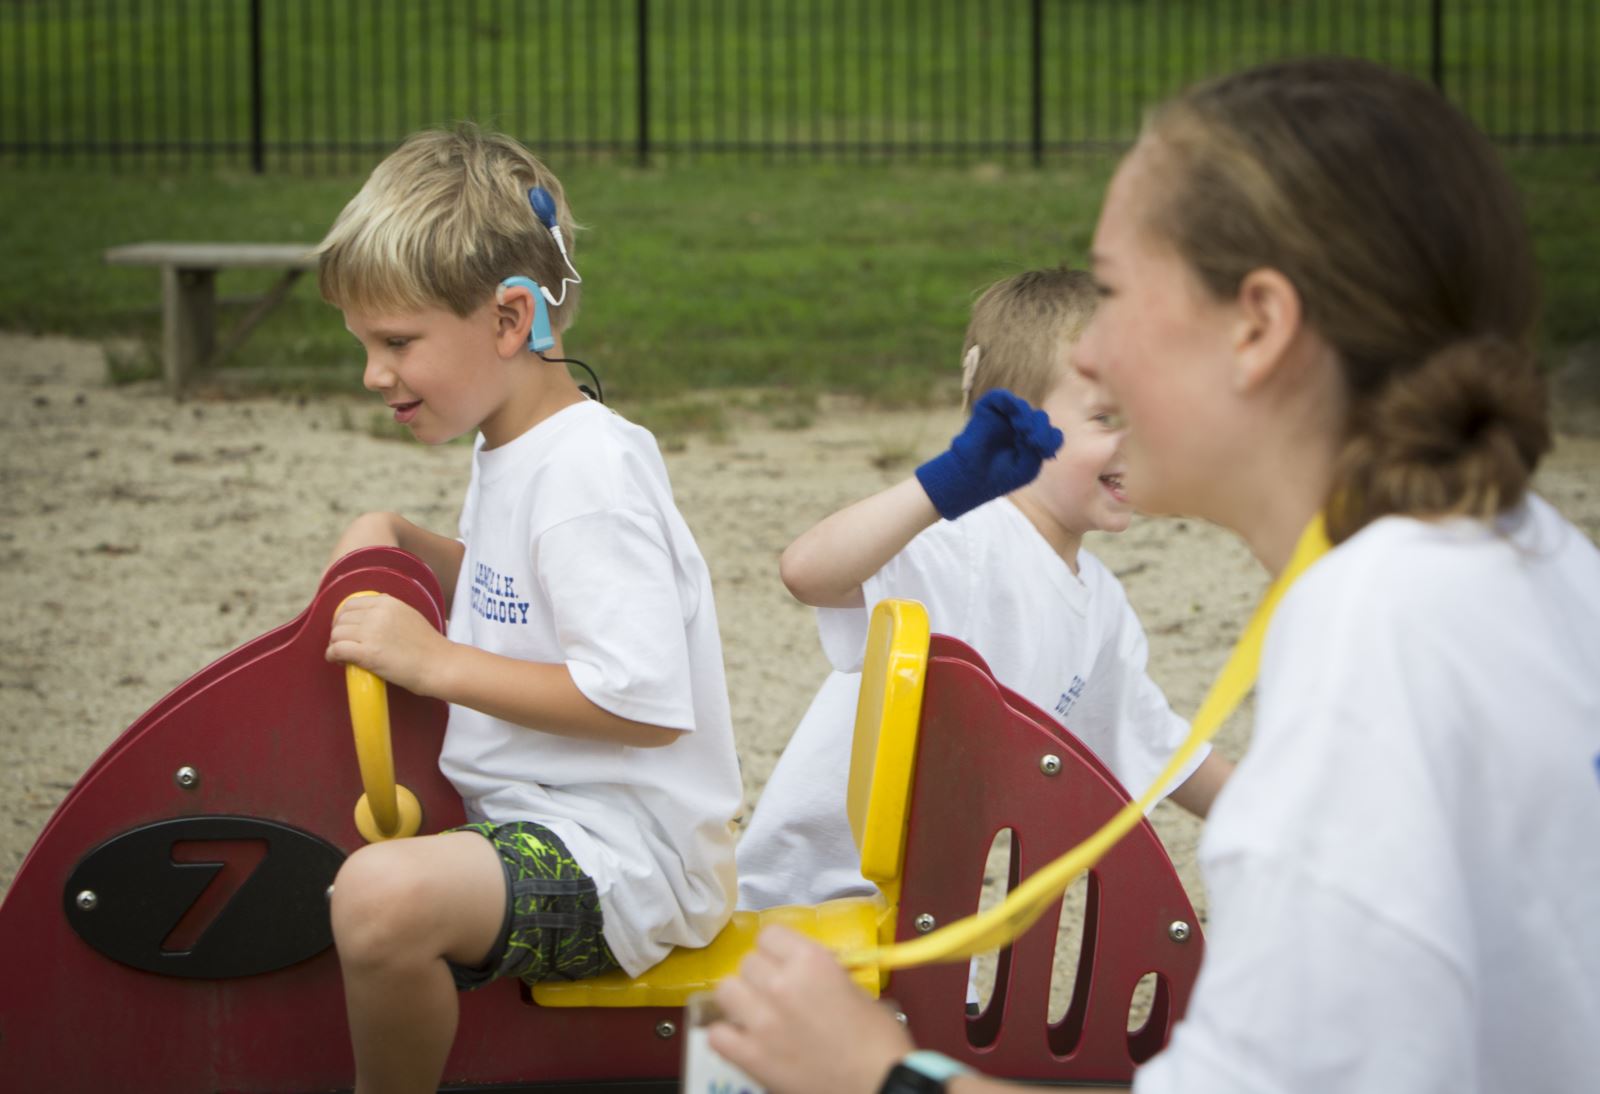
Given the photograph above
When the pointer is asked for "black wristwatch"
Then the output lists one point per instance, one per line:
(922, 1072)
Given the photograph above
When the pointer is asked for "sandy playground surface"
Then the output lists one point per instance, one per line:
(141, 538)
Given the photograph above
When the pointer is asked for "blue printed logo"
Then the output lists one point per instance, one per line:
(1070, 696)
(494, 596)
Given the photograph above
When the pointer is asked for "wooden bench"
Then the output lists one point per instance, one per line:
(189, 295)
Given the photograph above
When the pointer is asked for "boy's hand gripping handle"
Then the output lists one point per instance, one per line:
(387, 810)
(1004, 444)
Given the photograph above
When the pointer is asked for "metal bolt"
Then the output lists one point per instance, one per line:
(924, 923)
(666, 1029)
(87, 900)
(186, 777)
(1050, 764)
(1178, 931)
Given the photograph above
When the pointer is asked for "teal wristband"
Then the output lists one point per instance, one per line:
(935, 1065)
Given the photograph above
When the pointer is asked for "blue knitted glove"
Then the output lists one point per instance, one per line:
(1002, 447)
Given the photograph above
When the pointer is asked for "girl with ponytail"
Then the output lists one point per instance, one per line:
(1402, 875)
(1317, 307)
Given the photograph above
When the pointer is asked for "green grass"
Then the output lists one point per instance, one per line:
(802, 278)
(1561, 194)
(812, 278)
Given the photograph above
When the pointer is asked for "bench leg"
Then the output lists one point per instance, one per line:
(188, 322)
(235, 337)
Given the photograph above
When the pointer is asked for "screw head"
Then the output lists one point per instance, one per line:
(665, 1029)
(1178, 931)
(186, 777)
(1050, 764)
(87, 901)
(924, 923)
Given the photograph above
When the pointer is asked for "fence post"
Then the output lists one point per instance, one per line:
(642, 21)
(1436, 58)
(1037, 136)
(258, 150)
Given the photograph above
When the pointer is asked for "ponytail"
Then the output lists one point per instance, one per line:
(1460, 434)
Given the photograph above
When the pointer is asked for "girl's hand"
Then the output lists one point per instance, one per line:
(796, 1023)
(388, 638)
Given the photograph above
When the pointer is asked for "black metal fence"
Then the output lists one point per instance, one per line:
(310, 85)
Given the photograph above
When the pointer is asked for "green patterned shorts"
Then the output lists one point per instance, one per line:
(552, 922)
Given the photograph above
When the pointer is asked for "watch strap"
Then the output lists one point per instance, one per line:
(922, 1072)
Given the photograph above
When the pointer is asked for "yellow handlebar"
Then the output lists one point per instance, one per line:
(387, 810)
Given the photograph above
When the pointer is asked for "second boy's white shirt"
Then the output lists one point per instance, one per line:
(1068, 643)
(577, 555)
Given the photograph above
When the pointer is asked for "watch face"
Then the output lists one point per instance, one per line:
(904, 1080)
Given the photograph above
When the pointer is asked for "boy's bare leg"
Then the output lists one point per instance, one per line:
(400, 910)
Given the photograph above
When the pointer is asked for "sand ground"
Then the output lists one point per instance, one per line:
(140, 538)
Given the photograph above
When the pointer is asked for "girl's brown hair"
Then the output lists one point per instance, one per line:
(1404, 238)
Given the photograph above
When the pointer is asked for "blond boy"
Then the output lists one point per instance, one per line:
(988, 536)
(589, 733)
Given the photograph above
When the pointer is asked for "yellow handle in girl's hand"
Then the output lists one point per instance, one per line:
(1002, 924)
(387, 810)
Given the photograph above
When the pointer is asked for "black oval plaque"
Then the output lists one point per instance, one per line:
(205, 897)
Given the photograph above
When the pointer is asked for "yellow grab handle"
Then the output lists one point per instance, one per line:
(387, 810)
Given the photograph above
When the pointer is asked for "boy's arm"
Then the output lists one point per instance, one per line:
(999, 450)
(531, 693)
(1141, 710)
(389, 638)
(1199, 790)
(442, 554)
(826, 566)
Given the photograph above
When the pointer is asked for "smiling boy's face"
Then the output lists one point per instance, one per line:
(438, 372)
(1082, 487)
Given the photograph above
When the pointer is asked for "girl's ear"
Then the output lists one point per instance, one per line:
(1269, 318)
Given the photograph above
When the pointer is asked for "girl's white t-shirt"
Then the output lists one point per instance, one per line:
(1404, 871)
(1068, 643)
(577, 555)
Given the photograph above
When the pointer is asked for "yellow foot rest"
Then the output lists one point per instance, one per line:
(846, 924)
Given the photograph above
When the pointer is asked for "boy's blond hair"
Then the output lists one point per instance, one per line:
(441, 222)
(1019, 328)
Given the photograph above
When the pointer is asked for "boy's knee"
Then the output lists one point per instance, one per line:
(379, 906)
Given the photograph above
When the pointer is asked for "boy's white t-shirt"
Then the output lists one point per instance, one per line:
(577, 555)
(1068, 643)
(1404, 871)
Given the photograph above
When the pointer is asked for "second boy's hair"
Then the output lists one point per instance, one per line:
(441, 222)
(1019, 328)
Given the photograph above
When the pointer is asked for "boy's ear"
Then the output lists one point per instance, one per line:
(531, 313)
(1269, 318)
(514, 312)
